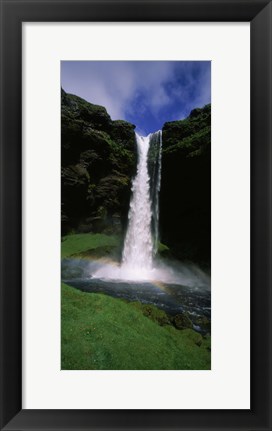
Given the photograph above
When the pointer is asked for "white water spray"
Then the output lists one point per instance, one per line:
(141, 241)
(138, 246)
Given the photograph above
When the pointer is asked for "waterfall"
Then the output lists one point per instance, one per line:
(142, 236)
(141, 241)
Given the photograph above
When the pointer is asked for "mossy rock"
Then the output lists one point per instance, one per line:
(197, 338)
(182, 321)
(164, 250)
(204, 323)
(98, 158)
(185, 195)
(153, 313)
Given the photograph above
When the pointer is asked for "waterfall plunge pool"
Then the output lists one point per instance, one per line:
(140, 276)
(184, 289)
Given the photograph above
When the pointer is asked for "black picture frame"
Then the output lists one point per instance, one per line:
(13, 14)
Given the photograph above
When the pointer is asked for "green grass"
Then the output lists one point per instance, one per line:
(94, 243)
(79, 243)
(100, 332)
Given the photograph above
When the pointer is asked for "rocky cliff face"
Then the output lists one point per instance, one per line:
(185, 198)
(99, 161)
(98, 158)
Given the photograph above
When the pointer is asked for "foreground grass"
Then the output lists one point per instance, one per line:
(100, 332)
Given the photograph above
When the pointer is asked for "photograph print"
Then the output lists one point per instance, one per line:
(135, 215)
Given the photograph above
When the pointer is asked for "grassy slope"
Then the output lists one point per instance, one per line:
(100, 332)
(78, 243)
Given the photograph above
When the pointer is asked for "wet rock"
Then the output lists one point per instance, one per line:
(182, 321)
(185, 196)
(204, 323)
(98, 159)
(153, 313)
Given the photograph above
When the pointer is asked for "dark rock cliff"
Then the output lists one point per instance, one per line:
(99, 161)
(185, 198)
(98, 158)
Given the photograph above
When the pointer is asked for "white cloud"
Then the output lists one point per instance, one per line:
(114, 84)
(129, 88)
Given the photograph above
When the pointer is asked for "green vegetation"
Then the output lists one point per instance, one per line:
(152, 312)
(98, 163)
(185, 196)
(191, 144)
(189, 134)
(98, 159)
(96, 244)
(80, 243)
(100, 332)
(189, 137)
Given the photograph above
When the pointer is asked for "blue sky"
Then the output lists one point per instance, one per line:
(146, 93)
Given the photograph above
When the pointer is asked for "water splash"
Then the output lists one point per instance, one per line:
(138, 246)
(142, 237)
